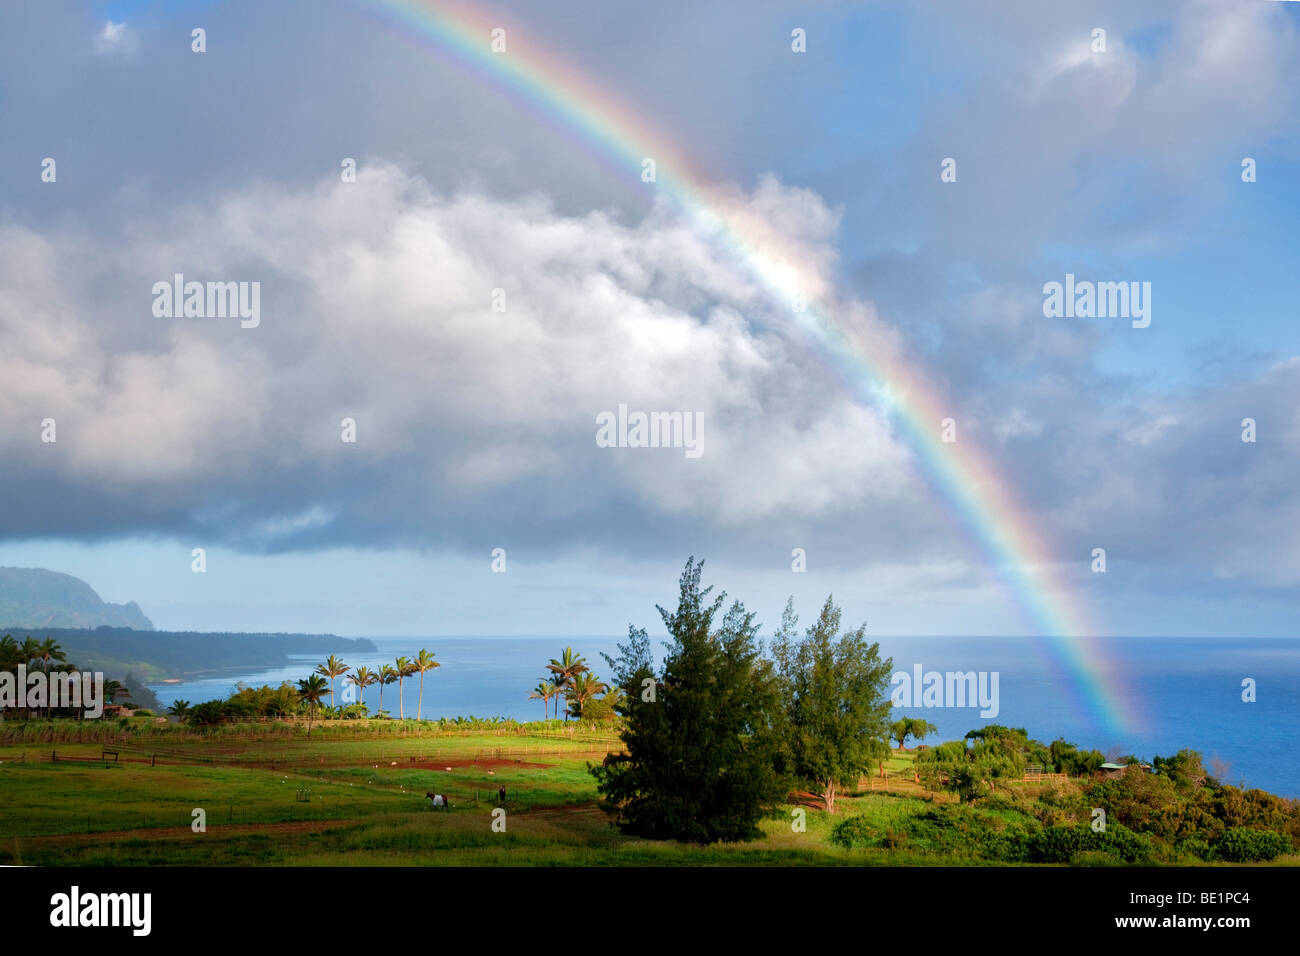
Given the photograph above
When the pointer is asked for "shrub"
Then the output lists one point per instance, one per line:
(1055, 844)
(1195, 848)
(943, 830)
(1062, 844)
(854, 832)
(207, 713)
(1242, 845)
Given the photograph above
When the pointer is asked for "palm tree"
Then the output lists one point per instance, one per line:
(113, 689)
(332, 668)
(566, 669)
(9, 653)
(584, 688)
(179, 708)
(29, 651)
(386, 675)
(312, 690)
(544, 691)
(363, 678)
(47, 651)
(554, 689)
(423, 662)
(403, 671)
(26, 654)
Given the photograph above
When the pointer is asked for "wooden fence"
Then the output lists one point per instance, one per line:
(1038, 776)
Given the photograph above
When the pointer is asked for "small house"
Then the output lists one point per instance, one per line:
(1109, 770)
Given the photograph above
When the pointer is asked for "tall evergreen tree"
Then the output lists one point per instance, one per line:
(700, 746)
(835, 699)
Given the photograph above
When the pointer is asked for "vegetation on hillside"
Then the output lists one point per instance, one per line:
(49, 658)
(720, 745)
(160, 655)
(719, 736)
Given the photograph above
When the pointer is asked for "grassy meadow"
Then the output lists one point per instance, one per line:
(348, 797)
(354, 795)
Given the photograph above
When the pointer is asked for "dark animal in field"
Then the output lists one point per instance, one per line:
(438, 801)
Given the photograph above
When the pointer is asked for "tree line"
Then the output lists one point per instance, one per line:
(48, 657)
(308, 696)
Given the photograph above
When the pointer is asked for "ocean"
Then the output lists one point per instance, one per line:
(1186, 692)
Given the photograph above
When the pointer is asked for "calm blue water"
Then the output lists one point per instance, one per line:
(1186, 691)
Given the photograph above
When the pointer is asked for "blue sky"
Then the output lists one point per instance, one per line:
(476, 431)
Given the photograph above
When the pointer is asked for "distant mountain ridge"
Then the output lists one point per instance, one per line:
(37, 598)
(163, 655)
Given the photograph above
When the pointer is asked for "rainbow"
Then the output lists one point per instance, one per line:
(869, 364)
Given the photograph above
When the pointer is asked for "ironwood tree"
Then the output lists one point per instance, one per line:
(699, 732)
(836, 708)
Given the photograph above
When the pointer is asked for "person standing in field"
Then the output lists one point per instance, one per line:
(501, 795)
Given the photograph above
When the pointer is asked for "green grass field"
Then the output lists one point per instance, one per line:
(348, 798)
(362, 809)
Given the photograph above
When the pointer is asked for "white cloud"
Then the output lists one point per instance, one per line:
(376, 305)
(116, 38)
(1146, 432)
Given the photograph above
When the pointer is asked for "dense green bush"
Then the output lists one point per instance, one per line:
(855, 832)
(207, 713)
(1243, 845)
(1060, 805)
(1061, 844)
(944, 830)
